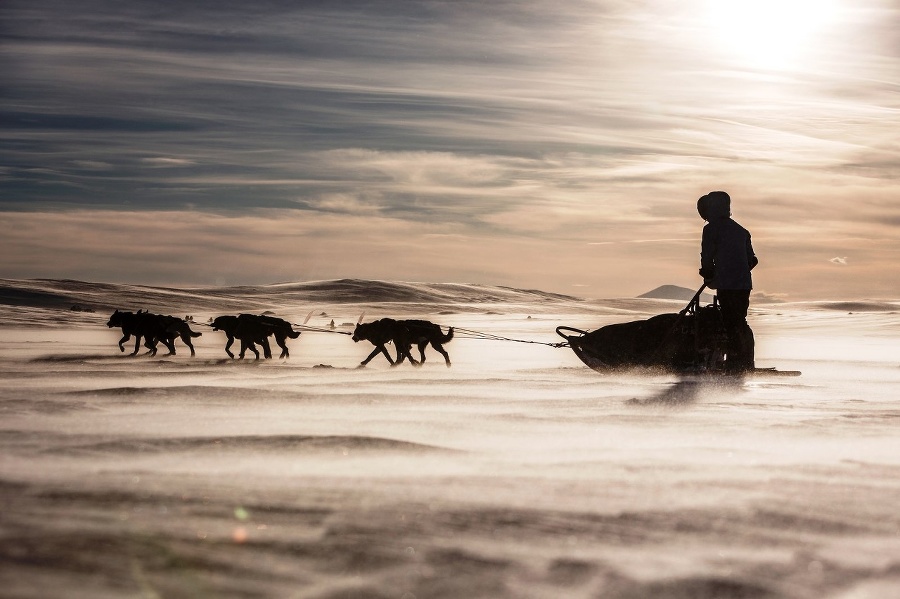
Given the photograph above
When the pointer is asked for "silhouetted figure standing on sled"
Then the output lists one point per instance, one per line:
(726, 259)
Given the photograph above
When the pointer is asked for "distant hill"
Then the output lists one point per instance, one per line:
(103, 297)
(674, 292)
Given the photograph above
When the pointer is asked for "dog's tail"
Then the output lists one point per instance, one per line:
(194, 334)
(448, 336)
(293, 334)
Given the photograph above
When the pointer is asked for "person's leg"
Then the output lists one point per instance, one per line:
(741, 345)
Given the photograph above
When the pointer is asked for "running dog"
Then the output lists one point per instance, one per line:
(174, 328)
(154, 328)
(422, 332)
(252, 329)
(281, 329)
(247, 330)
(132, 325)
(403, 334)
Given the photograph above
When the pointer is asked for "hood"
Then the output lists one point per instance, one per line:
(714, 206)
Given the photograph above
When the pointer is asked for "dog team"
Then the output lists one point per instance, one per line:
(252, 330)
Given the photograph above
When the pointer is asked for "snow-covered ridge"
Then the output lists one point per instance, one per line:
(66, 294)
(49, 301)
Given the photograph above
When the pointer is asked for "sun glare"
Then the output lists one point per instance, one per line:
(771, 34)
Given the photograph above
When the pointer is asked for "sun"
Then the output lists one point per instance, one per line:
(771, 34)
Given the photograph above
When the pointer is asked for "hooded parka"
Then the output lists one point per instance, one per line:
(726, 254)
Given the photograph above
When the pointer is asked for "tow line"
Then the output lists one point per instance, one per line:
(470, 334)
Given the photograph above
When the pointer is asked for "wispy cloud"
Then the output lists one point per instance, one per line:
(164, 162)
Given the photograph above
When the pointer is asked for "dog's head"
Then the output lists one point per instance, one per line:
(360, 333)
(220, 323)
(116, 319)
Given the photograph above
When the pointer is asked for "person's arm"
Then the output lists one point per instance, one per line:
(752, 260)
(707, 255)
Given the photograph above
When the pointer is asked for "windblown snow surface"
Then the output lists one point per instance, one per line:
(517, 472)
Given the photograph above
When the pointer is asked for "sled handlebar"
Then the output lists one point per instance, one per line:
(695, 301)
(560, 329)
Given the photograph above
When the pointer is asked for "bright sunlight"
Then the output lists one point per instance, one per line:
(772, 34)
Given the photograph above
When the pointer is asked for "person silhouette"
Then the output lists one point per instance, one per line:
(726, 259)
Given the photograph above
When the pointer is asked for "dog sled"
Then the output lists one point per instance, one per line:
(693, 341)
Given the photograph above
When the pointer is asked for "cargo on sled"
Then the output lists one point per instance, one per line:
(692, 341)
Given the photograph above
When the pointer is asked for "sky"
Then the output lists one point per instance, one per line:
(530, 143)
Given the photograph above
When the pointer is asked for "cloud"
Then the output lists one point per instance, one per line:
(592, 121)
(93, 165)
(164, 162)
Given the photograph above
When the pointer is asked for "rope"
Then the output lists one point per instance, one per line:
(466, 333)
(303, 327)
(470, 334)
(311, 329)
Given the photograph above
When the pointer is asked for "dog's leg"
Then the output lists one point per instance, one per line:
(187, 341)
(400, 355)
(137, 344)
(122, 342)
(442, 351)
(245, 345)
(404, 351)
(387, 355)
(228, 347)
(407, 349)
(378, 349)
(408, 352)
(267, 349)
(381, 349)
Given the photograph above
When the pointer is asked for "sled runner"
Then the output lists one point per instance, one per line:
(692, 341)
